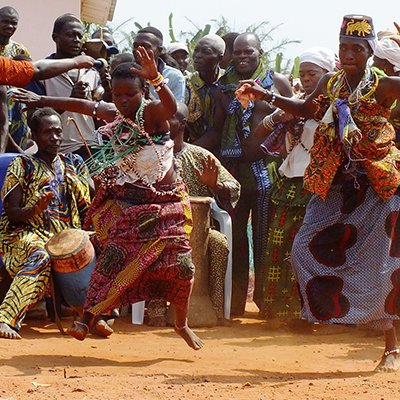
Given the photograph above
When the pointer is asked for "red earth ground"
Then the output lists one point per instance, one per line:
(249, 360)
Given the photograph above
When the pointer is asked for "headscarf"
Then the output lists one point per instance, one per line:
(321, 56)
(388, 49)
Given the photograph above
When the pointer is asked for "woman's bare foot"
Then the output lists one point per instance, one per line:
(79, 330)
(101, 328)
(390, 361)
(189, 337)
(6, 332)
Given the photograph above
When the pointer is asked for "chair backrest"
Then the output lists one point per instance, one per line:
(5, 160)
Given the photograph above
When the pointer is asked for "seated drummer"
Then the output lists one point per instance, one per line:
(42, 195)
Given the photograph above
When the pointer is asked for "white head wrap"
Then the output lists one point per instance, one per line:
(387, 32)
(372, 43)
(216, 41)
(321, 56)
(388, 49)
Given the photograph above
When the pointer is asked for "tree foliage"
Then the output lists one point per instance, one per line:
(273, 49)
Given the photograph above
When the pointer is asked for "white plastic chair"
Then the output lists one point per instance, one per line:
(138, 312)
(225, 223)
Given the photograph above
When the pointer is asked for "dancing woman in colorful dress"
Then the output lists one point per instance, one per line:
(141, 211)
(346, 255)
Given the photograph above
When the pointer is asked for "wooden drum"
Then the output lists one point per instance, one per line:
(72, 260)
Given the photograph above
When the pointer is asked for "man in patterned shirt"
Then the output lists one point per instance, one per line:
(42, 195)
(8, 25)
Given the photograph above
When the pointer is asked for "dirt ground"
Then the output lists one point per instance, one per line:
(249, 360)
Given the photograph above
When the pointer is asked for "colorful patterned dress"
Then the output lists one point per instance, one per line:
(346, 255)
(143, 229)
(18, 128)
(288, 205)
(22, 244)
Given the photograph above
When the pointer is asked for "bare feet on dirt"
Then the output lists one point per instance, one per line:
(7, 332)
(189, 337)
(390, 361)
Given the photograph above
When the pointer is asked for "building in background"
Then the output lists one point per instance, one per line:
(36, 20)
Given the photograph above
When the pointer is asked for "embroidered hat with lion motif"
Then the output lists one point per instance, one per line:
(357, 26)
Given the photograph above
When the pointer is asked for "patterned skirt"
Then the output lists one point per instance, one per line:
(145, 251)
(288, 206)
(346, 257)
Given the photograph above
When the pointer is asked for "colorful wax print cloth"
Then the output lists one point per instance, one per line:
(288, 205)
(23, 244)
(18, 122)
(145, 246)
(13, 49)
(191, 158)
(354, 136)
(201, 101)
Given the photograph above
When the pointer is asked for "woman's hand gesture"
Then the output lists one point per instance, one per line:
(148, 65)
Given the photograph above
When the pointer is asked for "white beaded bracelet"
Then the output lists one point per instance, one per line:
(273, 98)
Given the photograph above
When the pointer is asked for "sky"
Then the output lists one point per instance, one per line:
(314, 23)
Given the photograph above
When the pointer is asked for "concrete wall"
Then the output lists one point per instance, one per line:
(36, 19)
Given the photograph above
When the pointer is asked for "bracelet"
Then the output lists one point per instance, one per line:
(96, 106)
(156, 81)
(160, 86)
(273, 96)
(268, 122)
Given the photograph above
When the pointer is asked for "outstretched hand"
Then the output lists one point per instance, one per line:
(209, 175)
(30, 99)
(147, 62)
(249, 90)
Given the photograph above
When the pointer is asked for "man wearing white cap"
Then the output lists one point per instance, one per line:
(203, 93)
(180, 53)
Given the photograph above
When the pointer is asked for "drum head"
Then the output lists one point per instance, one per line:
(67, 242)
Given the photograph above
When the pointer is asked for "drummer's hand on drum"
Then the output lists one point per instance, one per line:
(43, 202)
(209, 175)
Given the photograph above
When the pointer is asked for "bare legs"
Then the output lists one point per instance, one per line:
(80, 329)
(182, 329)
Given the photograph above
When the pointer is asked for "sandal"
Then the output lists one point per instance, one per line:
(79, 330)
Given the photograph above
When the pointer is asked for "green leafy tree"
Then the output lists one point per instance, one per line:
(273, 54)
(273, 49)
